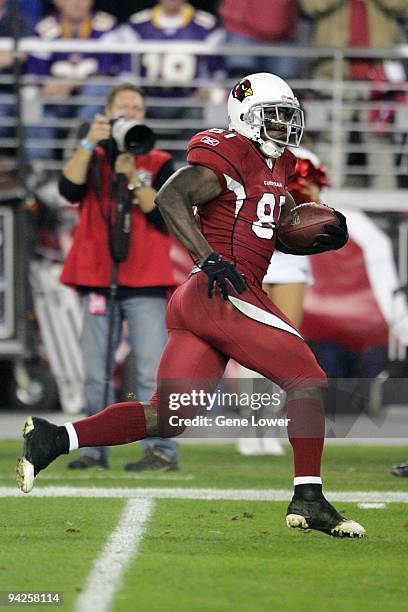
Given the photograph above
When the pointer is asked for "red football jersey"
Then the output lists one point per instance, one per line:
(240, 223)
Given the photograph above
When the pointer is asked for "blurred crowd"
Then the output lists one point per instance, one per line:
(65, 80)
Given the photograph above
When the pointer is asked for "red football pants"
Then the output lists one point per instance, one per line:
(203, 334)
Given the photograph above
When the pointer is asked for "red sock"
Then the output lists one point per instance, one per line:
(306, 435)
(117, 424)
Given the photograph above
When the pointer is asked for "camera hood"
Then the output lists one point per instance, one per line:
(132, 136)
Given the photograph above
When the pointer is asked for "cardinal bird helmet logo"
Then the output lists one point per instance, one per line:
(242, 90)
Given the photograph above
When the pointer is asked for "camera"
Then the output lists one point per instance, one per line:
(131, 136)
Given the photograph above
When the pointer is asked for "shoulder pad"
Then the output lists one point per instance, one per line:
(217, 133)
(48, 28)
(215, 138)
(205, 20)
(141, 16)
(219, 150)
(103, 22)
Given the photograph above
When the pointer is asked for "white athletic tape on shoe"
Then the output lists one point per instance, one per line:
(300, 480)
(73, 438)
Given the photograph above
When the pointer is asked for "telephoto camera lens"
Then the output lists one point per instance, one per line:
(132, 136)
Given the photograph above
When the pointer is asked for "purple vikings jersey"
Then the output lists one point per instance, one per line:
(72, 65)
(191, 25)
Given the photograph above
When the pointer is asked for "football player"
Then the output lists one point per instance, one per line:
(237, 179)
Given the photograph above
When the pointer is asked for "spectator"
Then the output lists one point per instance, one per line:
(7, 27)
(254, 22)
(354, 23)
(176, 20)
(122, 9)
(143, 278)
(66, 74)
(362, 23)
(34, 10)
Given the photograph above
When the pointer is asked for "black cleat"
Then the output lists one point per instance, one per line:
(43, 442)
(400, 470)
(321, 516)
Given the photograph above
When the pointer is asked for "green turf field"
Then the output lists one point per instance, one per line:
(257, 563)
(201, 554)
(346, 468)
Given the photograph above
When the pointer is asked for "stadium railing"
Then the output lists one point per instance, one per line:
(358, 151)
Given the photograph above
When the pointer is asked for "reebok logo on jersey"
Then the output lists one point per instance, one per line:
(210, 141)
(273, 184)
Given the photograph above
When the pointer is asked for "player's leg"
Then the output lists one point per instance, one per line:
(288, 297)
(305, 411)
(186, 361)
(257, 335)
(285, 284)
(185, 357)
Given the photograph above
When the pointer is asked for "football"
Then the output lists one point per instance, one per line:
(304, 222)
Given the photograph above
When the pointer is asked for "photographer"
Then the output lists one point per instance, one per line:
(114, 168)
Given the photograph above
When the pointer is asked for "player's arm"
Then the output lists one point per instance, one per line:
(188, 187)
(194, 186)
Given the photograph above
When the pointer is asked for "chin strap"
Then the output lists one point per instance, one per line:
(271, 149)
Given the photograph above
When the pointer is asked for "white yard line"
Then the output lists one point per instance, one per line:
(108, 570)
(211, 494)
(372, 505)
(101, 475)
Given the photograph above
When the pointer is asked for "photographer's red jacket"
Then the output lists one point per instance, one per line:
(89, 262)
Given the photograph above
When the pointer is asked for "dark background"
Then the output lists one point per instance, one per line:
(122, 9)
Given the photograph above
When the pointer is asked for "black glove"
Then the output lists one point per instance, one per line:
(219, 270)
(334, 237)
(289, 250)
